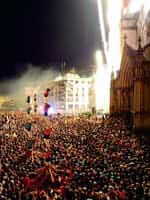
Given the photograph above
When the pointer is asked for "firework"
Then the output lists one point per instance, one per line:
(102, 84)
(102, 27)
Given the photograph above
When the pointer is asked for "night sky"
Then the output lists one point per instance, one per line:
(47, 31)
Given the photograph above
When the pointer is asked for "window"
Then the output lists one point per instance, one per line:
(70, 106)
(70, 94)
(77, 99)
(76, 92)
(76, 106)
(70, 99)
(61, 99)
(62, 106)
(70, 89)
(61, 84)
(83, 91)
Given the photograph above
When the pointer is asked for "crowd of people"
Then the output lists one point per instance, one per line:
(67, 158)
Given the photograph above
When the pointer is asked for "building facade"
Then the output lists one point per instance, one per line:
(130, 89)
(69, 94)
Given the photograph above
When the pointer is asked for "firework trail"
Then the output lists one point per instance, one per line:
(102, 28)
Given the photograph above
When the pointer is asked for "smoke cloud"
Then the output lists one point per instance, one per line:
(34, 77)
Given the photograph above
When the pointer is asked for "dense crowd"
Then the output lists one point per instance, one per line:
(67, 158)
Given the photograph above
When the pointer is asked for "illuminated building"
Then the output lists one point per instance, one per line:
(3, 99)
(69, 94)
(8, 104)
(130, 89)
(135, 22)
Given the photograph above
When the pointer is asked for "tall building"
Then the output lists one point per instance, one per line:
(134, 25)
(128, 28)
(130, 89)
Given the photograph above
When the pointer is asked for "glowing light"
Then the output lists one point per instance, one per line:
(51, 111)
(146, 5)
(102, 26)
(135, 6)
(114, 16)
(102, 84)
(112, 53)
(145, 10)
(99, 59)
(40, 110)
(59, 78)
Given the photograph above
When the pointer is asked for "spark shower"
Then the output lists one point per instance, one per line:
(111, 46)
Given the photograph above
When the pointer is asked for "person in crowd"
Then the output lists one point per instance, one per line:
(78, 159)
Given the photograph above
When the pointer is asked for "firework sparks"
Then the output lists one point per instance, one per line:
(102, 84)
(102, 27)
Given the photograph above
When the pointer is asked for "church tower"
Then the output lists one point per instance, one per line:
(138, 105)
(128, 27)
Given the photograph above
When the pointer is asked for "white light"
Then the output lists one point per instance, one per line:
(135, 6)
(114, 16)
(99, 59)
(59, 78)
(41, 109)
(146, 8)
(102, 26)
(51, 111)
(113, 53)
(102, 84)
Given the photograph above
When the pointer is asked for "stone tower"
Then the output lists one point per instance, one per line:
(138, 106)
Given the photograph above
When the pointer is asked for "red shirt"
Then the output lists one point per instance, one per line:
(48, 132)
(122, 195)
